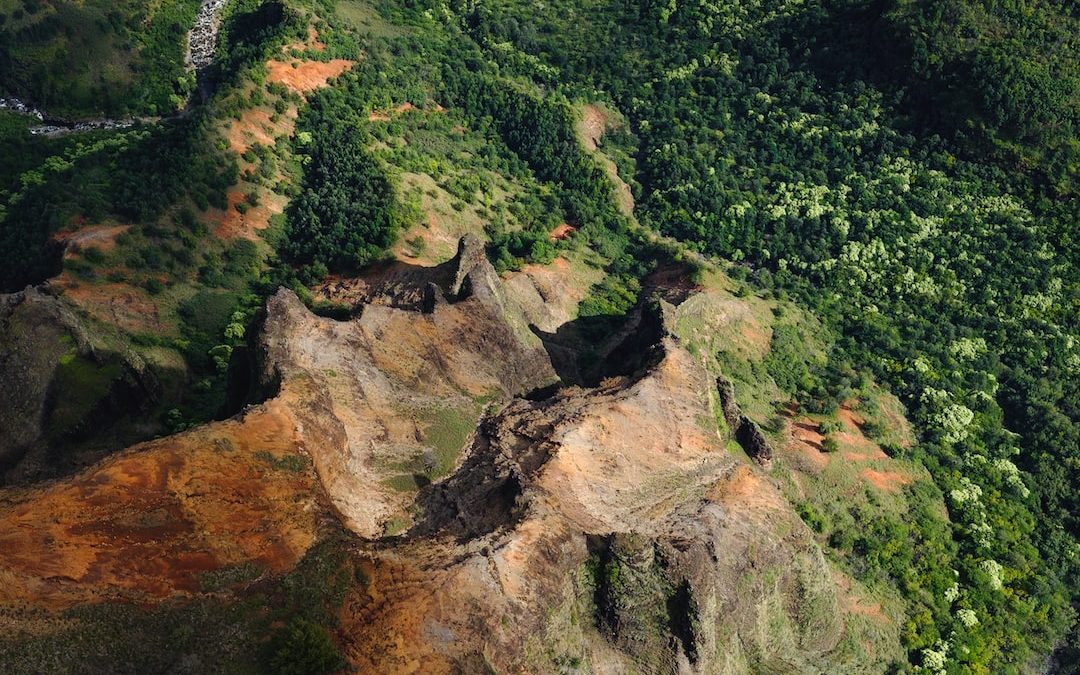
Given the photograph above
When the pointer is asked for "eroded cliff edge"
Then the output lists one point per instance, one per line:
(497, 522)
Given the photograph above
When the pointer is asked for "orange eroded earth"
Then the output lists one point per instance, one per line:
(101, 237)
(853, 444)
(147, 522)
(128, 307)
(305, 76)
(256, 126)
(562, 232)
(804, 445)
(745, 489)
(805, 440)
(231, 223)
(889, 481)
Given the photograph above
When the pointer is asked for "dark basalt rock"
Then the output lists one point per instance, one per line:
(743, 429)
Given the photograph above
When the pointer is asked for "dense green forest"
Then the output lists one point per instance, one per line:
(97, 58)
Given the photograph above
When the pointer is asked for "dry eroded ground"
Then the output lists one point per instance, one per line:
(305, 76)
(147, 523)
(804, 449)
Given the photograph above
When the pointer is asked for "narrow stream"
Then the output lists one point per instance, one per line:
(198, 55)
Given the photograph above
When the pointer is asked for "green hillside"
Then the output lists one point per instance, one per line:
(87, 59)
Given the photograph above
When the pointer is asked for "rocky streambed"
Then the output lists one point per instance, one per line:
(202, 38)
(54, 126)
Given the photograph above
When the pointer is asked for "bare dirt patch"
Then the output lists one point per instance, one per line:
(849, 418)
(127, 307)
(593, 123)
(145, 524)
(853, 444)
(805, 442)
(888, 481)
(231, 223)
(305, 76)
(561, 232)
(256, 126)
(746, 488)
(101, 237)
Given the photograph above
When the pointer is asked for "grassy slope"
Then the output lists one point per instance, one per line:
(840, 494)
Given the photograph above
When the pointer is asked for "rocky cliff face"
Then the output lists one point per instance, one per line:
(606, 527)
(499, 524)
(744, 430)
(60, 382)
(406, 385)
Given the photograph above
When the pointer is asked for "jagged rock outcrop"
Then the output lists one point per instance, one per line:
(399, 378)
(59, 383)
(433, 297)
(36, 330)
(745, 431)
(728, 405)
(470, 256)
(615, 505)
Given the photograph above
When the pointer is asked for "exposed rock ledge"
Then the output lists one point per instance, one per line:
(746, 431)
(607, 526)
(394, 376)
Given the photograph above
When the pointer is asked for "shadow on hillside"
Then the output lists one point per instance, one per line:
(589, 349)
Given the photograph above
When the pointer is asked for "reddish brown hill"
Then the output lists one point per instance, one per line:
(146, 523)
